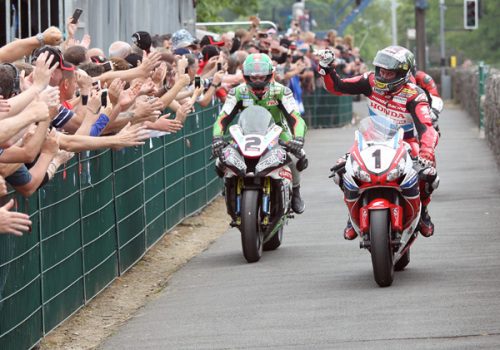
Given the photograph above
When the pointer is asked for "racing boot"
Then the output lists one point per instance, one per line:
(298, 205)
(426, 226)
(349, 232)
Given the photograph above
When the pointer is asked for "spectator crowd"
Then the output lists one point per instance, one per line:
(63, 96)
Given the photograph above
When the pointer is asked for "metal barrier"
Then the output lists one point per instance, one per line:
(325, 110)
(94, 220)
(484, 70)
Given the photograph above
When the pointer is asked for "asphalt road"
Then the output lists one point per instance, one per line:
(317, 290)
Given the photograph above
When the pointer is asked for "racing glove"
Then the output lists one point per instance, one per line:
(217, 145)
(296, 145)
(338, 170)
(326, 59)
(426, 157)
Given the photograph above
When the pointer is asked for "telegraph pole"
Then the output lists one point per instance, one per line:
(420, 6)
(445, 79)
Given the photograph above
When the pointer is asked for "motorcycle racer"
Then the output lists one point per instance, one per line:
(426, 82)
(391, 94)
(260, 89)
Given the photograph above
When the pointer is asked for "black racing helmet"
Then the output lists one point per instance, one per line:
(394, 58)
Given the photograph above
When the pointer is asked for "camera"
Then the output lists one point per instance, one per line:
(107, 66)
(104, 97)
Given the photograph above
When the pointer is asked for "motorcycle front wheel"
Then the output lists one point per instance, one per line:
(405, 260)
(251, 234)
(380, 247)
(275, 240)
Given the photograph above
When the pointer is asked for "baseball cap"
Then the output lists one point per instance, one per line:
(209, 51)
(132, 59)
(182, 38)
(209, 40)
(58, 57)
(181, 51)
(142, 40)
(288, 44)
(98, 59)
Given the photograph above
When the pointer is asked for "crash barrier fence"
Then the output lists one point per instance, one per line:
(101, 213)
(477, 90)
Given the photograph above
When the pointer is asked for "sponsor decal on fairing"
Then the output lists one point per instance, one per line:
(286, 174)
(266, 163)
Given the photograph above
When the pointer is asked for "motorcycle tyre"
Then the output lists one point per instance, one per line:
(405, 260)
(275, 240)
(251, 234)
(380, 247)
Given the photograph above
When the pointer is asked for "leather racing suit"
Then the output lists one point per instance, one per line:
(407, 106)
(278, 100)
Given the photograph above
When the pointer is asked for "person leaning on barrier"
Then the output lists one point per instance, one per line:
(12, 222)
(192, 65)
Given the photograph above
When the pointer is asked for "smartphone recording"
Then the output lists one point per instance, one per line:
(76, 15)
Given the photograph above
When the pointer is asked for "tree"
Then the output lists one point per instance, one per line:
(209, 10)
(479, 44)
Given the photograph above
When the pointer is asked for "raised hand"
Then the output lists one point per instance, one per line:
(43, 72)
(326, 57)
(51, 145)
(131, 135)
(13, 222)
(52, 36)
(167, 125)
(115, 89)
(50, 96)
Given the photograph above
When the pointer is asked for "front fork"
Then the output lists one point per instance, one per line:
(266, 208)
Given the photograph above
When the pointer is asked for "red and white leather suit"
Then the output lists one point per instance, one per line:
(407, 106)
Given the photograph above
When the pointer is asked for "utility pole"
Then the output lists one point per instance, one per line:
(445, 79)
(420, 6)
(394, 24)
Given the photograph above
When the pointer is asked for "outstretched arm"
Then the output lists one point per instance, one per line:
(23, 47)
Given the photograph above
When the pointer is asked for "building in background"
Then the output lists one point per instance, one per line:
(104, 20)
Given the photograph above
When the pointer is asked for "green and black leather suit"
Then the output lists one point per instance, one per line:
(278, 100)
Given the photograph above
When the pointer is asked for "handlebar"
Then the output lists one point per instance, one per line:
(302, 162)
(300, 155)
(212, 157)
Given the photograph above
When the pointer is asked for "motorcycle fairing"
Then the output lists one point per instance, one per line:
(274, 158)
(233, 161)
(381, 204)
(253, 145)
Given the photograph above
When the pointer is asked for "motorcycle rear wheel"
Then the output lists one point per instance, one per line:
(275, 240)
(251, 233)
(380, 247)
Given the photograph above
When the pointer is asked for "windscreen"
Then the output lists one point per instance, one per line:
(255, 120)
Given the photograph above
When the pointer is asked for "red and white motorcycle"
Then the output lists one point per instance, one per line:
(381, 188)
